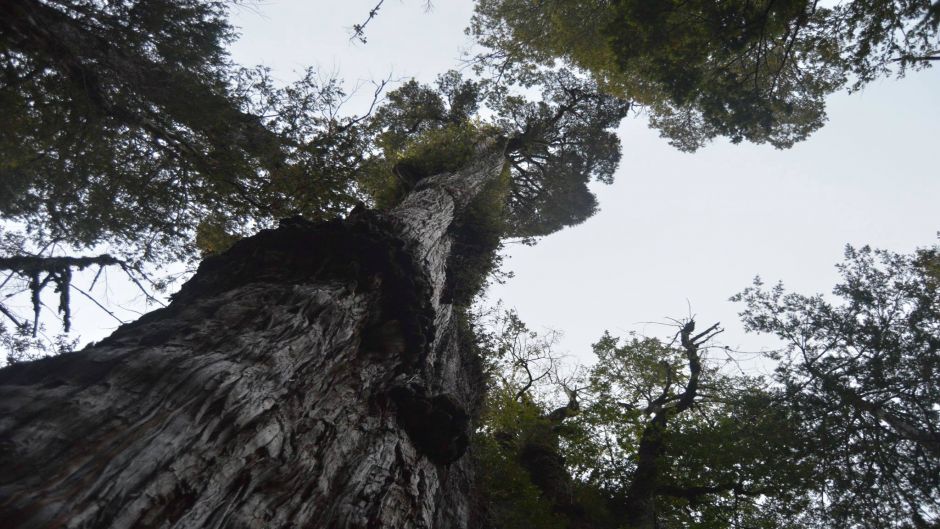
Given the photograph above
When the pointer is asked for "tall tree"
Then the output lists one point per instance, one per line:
(314, 373)
(310, 375)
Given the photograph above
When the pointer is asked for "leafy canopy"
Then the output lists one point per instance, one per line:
(755, 71)
(663, 434)
(862, 376)
(554, 146)
(125, 123)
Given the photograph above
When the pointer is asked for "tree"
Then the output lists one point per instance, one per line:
(343, 398)
(755, 71)
(655, 435)
(678, 442)
(861, 376)
(334, 349)
(662, 435)
(556, 145)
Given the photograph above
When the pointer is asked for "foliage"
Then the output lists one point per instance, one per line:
(126, 124)
(725, 460)
(861, 377)
(22, 346)
(755, 71)
(511, 499)
(662, 434)
(555, 146)
(476, 251)
(389, 177)
(525, 480)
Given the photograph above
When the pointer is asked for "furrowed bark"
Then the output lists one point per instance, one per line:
(308, 377)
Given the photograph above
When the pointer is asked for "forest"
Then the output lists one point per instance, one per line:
(314, 341)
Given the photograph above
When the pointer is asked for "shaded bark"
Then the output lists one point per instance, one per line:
(308, 377)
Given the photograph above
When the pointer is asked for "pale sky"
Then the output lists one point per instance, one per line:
(674, 229)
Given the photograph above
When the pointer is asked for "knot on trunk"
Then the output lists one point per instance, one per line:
(438, 425)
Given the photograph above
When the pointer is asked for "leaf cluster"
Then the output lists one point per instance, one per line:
(126, 124)
(861, 375)
(754, 71)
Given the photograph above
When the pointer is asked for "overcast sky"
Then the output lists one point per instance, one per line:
(675, 230)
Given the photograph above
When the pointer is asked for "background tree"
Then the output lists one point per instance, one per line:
(861, 375)
(127, 124)
(755, 71)
(653, 435)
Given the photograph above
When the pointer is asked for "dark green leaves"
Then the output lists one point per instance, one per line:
(861, 375)
(754, 71)
(125, 123)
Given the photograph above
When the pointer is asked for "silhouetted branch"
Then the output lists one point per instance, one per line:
(359, 29)
(95, 301)
(40, 271)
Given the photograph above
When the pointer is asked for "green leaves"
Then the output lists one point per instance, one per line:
(554, 146)
(859, 375)
(128, 126)
(754, 71)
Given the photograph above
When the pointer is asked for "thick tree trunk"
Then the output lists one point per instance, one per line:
(309, 377)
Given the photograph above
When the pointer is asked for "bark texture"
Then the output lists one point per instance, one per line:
(308, 377)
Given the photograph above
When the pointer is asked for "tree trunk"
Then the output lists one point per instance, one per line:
(308, 377)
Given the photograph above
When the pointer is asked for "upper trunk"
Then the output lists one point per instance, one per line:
(308, 377)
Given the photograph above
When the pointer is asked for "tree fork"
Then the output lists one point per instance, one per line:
(310, 376)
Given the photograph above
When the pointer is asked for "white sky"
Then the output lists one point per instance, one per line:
(674, 228)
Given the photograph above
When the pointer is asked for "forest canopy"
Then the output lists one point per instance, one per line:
(672, 433)
(754, 71)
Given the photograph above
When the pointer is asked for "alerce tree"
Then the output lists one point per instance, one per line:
(317, 372)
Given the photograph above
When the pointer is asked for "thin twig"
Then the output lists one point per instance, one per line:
(95, 301)
(127, 270)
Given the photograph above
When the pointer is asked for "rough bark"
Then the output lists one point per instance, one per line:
(308, 377)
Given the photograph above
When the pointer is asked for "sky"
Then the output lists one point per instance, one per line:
(677, 233)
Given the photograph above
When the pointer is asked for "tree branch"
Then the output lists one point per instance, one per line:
(360, 29)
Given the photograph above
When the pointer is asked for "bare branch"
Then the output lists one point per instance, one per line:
(100, 306)
(6, 312)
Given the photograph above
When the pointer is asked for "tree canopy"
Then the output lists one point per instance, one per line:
(555, 146)
(131, 131)
(755, 71)
(127, 124)
(672, 434)
(861, 376)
